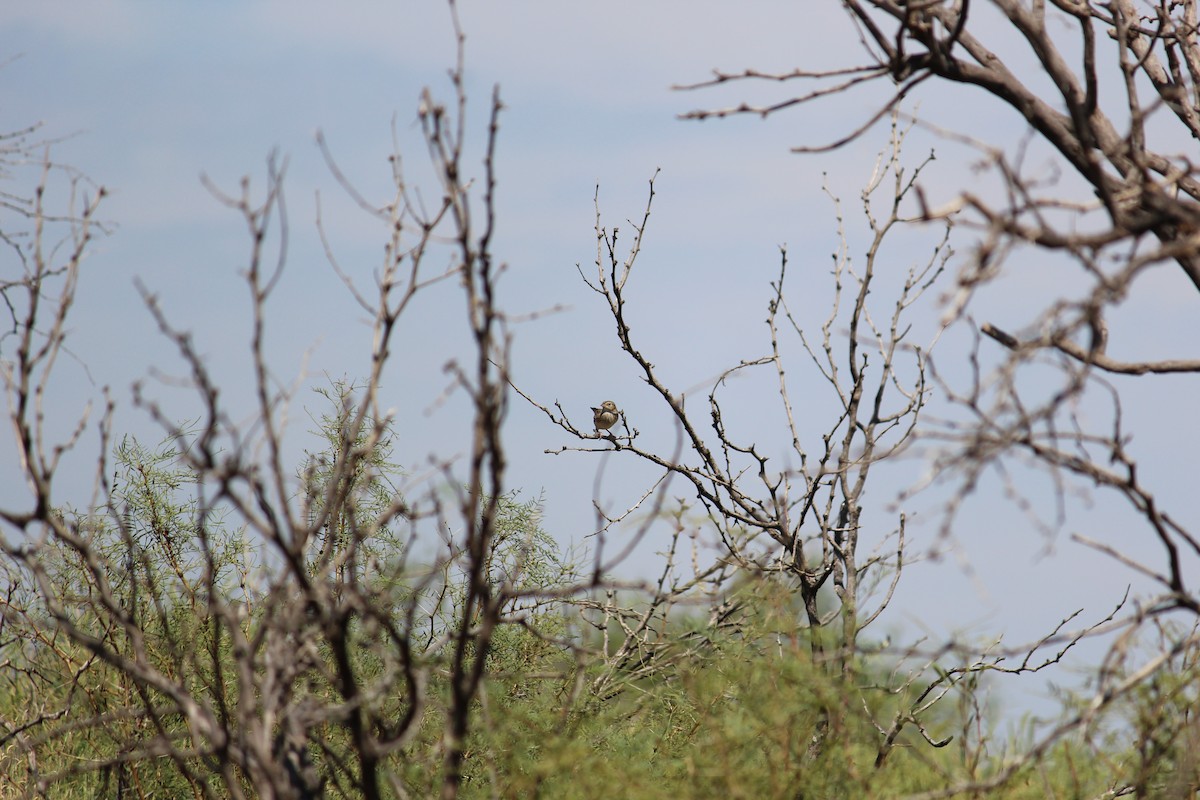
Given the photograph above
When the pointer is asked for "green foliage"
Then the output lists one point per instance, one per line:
(752, 709)
(349, 485)
(739, 718)
(75, 723)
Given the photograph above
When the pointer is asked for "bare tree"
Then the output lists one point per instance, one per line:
(805, 526)
(215, 621)
(1112, 89)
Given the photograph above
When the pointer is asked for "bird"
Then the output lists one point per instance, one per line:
(605, 416)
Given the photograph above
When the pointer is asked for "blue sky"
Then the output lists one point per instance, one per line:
(153, 95)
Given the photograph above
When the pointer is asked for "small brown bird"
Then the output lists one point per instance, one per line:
(605, 416)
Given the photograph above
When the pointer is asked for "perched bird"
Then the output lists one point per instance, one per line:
(605, 416)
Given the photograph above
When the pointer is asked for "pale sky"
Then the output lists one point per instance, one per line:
(152, 95)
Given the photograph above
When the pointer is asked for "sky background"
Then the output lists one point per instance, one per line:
(148, 97)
